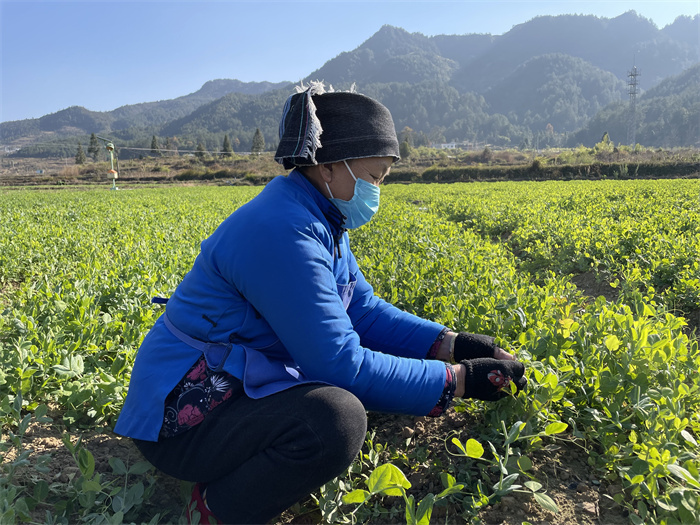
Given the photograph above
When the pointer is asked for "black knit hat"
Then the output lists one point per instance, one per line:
(319, 128)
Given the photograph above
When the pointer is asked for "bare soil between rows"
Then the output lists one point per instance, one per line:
(563, 471)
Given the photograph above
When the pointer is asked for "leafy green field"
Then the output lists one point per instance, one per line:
(614, 375)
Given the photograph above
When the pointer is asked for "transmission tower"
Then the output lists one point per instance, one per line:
(632, 84)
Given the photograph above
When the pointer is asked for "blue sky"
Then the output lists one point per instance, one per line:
(104, 54)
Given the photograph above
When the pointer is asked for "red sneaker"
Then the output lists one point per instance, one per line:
(197, 511)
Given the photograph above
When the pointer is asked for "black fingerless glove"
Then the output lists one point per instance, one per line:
(471, 346)
(488, 379)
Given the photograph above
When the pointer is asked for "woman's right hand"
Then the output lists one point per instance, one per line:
(487, 378)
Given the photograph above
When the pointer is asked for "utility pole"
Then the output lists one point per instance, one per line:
(632, 84)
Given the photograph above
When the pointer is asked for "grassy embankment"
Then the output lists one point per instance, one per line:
(602, 161)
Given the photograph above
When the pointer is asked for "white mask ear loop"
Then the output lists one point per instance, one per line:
(348, 167)
(329, 190)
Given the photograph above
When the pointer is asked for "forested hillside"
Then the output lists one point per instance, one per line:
(608, 44)
(143, 117)
(554, 89)
(550, 81)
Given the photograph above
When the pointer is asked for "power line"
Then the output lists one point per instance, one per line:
(129, 148)
(160, 150)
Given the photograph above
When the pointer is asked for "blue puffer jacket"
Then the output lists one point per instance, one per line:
(277, 285)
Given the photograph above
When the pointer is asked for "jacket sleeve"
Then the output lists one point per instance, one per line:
(385, 328)
(288, 278)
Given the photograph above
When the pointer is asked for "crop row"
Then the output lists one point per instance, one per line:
(622, 374)
(78, 269)
(636, 235)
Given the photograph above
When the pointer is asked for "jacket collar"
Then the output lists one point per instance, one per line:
(335, 218)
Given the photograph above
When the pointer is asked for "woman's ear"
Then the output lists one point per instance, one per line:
(326, 172)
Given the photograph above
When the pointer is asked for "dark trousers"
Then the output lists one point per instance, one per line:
(260, 456)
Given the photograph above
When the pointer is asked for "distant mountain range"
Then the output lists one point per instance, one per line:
(126, 120)
(557, 80)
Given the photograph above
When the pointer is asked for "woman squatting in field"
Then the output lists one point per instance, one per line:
(255, 381)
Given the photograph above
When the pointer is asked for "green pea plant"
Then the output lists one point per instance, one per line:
(330, 498)
(88, 497)
(94, 499)
(388, 480)
(507, 480)
(16, 502)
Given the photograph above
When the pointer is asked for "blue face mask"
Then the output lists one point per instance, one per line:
(363, 205)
